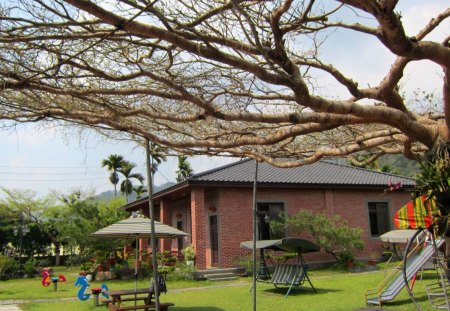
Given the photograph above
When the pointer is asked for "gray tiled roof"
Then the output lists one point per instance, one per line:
(320, 173)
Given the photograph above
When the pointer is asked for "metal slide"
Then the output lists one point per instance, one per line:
(394, 282)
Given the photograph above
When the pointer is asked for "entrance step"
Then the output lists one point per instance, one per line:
(219, 274)
(227, 276)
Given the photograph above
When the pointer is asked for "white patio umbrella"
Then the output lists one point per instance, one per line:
(137, 227)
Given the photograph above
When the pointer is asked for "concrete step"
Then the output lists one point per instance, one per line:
(218, 274)
(221, 276)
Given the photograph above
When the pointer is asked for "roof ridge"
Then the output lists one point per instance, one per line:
(365, 169)
(217, 169)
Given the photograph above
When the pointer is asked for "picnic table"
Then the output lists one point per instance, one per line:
(135, 295)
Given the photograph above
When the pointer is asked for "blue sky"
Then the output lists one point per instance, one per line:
(51, 159)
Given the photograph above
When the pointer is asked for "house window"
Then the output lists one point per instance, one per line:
(268, 212)
(378, 218)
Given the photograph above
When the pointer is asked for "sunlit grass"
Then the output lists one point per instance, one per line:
(336, 291)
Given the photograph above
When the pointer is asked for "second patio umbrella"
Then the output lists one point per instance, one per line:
(137, 227)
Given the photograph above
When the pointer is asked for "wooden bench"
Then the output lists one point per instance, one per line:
(163, 306)
(144, 298)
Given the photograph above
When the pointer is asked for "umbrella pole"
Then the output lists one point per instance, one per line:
(254, 234)
(136, 270)
(149, 165)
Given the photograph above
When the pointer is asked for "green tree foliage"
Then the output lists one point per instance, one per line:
(159, 155)
(184, 168)
(126, 187)
(22, 208)
(79, 216)
(331, 233)
(388, 163)
(113, 163)
(139, 190)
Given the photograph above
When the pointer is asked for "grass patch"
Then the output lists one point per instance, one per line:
(336, 291)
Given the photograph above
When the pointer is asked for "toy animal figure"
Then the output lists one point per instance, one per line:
(46, 278)
(104, 290)
(84, 284)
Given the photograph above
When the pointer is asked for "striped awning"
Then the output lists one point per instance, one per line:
(138, 227)
(416, 214)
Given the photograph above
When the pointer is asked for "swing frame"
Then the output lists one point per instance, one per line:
(291, 275)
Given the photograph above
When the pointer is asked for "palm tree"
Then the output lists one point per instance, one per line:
(113, 164)
(126, 187)
(159, 155)
(139, 190)
(184, 168)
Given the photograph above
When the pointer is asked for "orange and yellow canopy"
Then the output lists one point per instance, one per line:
(416, 214)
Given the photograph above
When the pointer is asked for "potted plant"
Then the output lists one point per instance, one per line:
(189, 254)
(345, 259)
(85, 268)
(372, 259)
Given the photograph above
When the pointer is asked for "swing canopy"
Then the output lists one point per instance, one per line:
(292, 245)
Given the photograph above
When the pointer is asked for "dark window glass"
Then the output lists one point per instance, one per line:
(378, 218)
(268, 212)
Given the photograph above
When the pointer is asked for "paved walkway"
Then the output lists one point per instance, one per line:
(10, 308)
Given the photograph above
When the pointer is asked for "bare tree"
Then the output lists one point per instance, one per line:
(212, 77)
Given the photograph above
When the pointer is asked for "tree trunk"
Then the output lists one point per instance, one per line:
(57, 254)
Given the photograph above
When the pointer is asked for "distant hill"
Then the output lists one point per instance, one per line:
(406, 167)
(107, 195)
(395, 163)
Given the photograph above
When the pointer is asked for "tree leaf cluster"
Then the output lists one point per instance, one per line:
(331, 233)
(68, 220)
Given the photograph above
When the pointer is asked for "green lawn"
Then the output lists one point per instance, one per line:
(336, 291)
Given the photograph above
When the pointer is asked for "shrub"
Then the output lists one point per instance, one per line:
(331, 233)
(8, 267)
(30, 267)
(182, 271)
(245, 261)
(189, 253)
(344, 258)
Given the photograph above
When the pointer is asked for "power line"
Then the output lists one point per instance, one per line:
(50, 173)
(89, 168)
(49, 180)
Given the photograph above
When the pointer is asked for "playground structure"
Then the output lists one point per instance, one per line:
(422, 249)
(425, 249)
(428, 216)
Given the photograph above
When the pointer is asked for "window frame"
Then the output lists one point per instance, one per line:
(387, 225)
(272, 215)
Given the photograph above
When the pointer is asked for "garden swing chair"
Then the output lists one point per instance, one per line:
(285, 274)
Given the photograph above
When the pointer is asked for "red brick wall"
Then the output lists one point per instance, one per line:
(233, 206)
(234, 210)
(166, 218)
(199, 230)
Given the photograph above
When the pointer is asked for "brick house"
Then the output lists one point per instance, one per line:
(215, 207)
